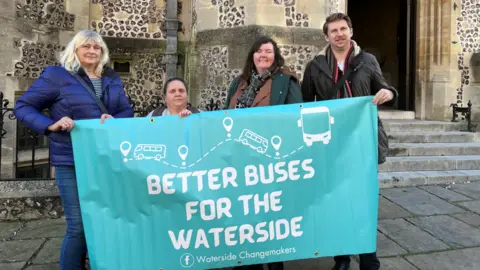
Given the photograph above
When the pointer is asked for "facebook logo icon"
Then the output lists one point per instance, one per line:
(187, 260)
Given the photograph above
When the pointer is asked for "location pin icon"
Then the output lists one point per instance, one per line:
(228, 124)
(276, 142)
(183, 153)
(125, 148)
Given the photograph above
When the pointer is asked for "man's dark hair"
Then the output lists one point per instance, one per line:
(172, 80)
(278, 61)
(336, 17)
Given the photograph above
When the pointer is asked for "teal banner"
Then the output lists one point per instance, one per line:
(229, 188)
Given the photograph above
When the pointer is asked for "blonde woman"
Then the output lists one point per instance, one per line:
(83, 87)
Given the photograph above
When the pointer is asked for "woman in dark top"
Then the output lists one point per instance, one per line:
(264, 82)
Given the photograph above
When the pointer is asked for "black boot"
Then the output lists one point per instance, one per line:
(342, 262)
(342, 266)
(369, 261)
(275, 266)
(249, 267)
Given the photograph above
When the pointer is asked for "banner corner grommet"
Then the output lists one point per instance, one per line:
(152, 120)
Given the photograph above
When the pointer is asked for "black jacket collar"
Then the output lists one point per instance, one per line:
(323, 65)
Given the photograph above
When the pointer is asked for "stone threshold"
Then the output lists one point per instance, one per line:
(33, 189)
(424, 178)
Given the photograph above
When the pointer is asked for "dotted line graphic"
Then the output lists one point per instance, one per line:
(222, 142)
(287, 155)
(198, 160)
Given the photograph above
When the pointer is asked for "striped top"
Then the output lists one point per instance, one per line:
(97, 86)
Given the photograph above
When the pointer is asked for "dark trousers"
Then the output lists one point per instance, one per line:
(368, 261)
(271, 266)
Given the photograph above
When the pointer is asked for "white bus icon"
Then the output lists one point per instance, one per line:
(255, 141)
(310, 137)
(150, 151)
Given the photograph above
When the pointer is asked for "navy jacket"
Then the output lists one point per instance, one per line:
(60, 92)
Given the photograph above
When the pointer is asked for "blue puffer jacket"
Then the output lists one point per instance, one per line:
(60, 92)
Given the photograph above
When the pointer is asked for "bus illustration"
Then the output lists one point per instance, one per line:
(150, 151)
(255, 141)
(316, 128)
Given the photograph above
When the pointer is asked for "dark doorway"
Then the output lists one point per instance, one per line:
(387, 30)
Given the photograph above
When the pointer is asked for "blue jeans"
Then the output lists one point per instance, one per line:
(74, 246)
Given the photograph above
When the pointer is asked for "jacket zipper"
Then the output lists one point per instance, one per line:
(107, 95)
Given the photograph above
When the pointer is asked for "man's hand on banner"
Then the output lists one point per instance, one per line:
(105, 116)
(65, 124)
(382, 96)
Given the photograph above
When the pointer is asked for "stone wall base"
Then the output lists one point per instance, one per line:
(26, 189)
(30, 208)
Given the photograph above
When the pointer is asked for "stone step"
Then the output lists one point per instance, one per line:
(48, 188)
(434, 149)
(430, 163)
(422, 126)
(432, 137)
(404, 179)
(396, 114)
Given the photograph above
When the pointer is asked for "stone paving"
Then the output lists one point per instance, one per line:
(423, 227)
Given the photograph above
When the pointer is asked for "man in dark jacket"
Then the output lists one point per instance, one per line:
(324, 79)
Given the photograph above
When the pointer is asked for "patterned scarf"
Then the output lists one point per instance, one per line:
(245, 100)
(337, 73)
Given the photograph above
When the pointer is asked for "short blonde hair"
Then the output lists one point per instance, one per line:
(69, 59)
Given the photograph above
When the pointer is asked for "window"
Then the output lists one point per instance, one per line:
(121, 66)
(28, 139)
(38, 171)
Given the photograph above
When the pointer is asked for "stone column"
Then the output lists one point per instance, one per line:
(466, 55)
(441, 96)
(433, 49)
(225, 30)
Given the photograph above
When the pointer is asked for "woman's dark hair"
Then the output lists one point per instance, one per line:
(172, 80)
(278, 61)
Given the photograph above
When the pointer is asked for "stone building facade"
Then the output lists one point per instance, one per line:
(441, 57)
